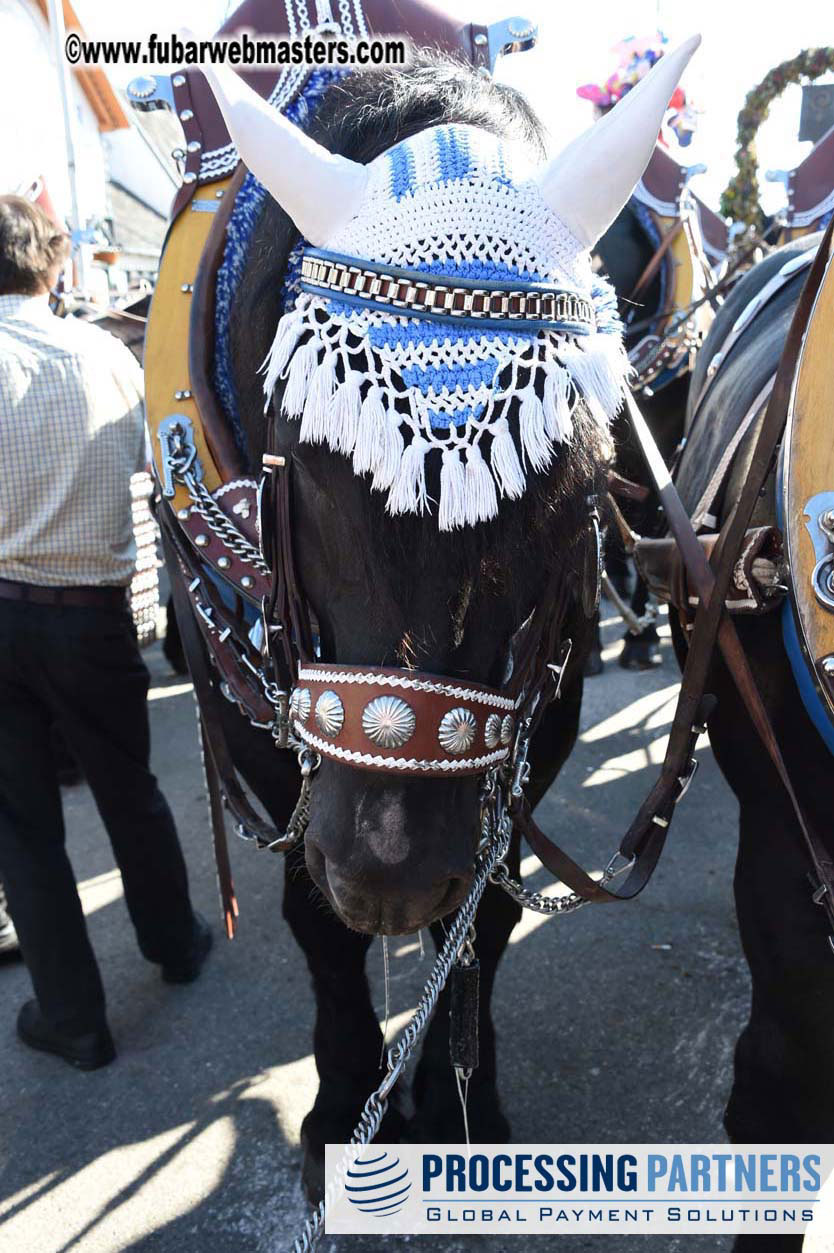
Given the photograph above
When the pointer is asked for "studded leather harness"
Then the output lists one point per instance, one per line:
(403, 721)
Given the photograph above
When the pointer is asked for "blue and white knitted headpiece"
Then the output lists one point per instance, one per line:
(388, 389)
(448, 306)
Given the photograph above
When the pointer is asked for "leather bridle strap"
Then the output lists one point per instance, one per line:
(654, 261)
(224, 787)
(285, 611)
(646, 836)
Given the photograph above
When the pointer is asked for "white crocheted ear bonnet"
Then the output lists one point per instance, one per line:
(449, 297)
(453, 315)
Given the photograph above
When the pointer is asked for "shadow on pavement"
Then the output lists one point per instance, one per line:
(614, 1025)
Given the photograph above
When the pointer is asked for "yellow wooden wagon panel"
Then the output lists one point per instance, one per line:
(809, 489)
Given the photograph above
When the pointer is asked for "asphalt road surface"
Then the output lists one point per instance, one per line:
(615, 1025)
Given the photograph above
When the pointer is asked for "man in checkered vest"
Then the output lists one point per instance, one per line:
(71, 436)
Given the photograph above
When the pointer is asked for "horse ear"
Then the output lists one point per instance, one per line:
(590, 181)
(318, 189)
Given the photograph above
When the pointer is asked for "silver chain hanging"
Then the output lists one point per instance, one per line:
(401, 1051)
(180, 463)
(564, 903)
(216, 520)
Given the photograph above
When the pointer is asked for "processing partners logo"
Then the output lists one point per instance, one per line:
(537, 1189)
(377, 1183)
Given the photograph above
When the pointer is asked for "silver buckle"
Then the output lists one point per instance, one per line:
(178, 452)
(686, 780)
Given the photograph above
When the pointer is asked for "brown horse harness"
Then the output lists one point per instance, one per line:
(404, 721)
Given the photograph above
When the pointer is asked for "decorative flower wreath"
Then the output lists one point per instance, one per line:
(740, 200)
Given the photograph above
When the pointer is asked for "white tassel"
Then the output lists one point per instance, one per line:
(481, 496)
(370, 435)
(314, 424)
(389, 454)
(345, 407)
(408, 491)
(452, 511)
(556, 404)
(600, 374)
(301, 370)
(289, 329)
(534, 442)
(614, 357)
(505, 464)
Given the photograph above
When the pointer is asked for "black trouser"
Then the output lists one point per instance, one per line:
(81, 668)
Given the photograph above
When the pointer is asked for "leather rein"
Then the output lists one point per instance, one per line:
(404, 721)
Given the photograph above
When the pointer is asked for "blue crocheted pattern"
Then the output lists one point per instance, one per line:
(489, 404)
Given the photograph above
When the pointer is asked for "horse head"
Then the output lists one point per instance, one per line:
(442, 467)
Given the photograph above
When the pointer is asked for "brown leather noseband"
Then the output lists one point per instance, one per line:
(403, 722)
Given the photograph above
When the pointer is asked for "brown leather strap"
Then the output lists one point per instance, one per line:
(285, 612)
(660, 566)
(219, 757)
(618, 485)
(198, 668)
(654, 262)
(644, 840)
(391, 720)
(225, 882)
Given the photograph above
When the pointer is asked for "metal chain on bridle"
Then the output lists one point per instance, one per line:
(180, 460)
(216, 520)
(502, 792)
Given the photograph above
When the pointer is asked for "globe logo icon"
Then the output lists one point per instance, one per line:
(378, 1183)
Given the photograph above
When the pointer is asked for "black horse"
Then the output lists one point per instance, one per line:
(624, 251)
(780, 1092)
(381, 854)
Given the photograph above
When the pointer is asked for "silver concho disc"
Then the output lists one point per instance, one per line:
(492, 730)
(330, 714)
(300, 704)
(388, 721)
(457, 730)
(506, 729)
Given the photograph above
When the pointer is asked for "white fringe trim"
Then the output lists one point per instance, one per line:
(358, 413)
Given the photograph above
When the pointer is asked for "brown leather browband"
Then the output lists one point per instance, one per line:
(419, 294)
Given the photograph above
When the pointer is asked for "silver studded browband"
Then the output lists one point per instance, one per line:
(416, 293)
